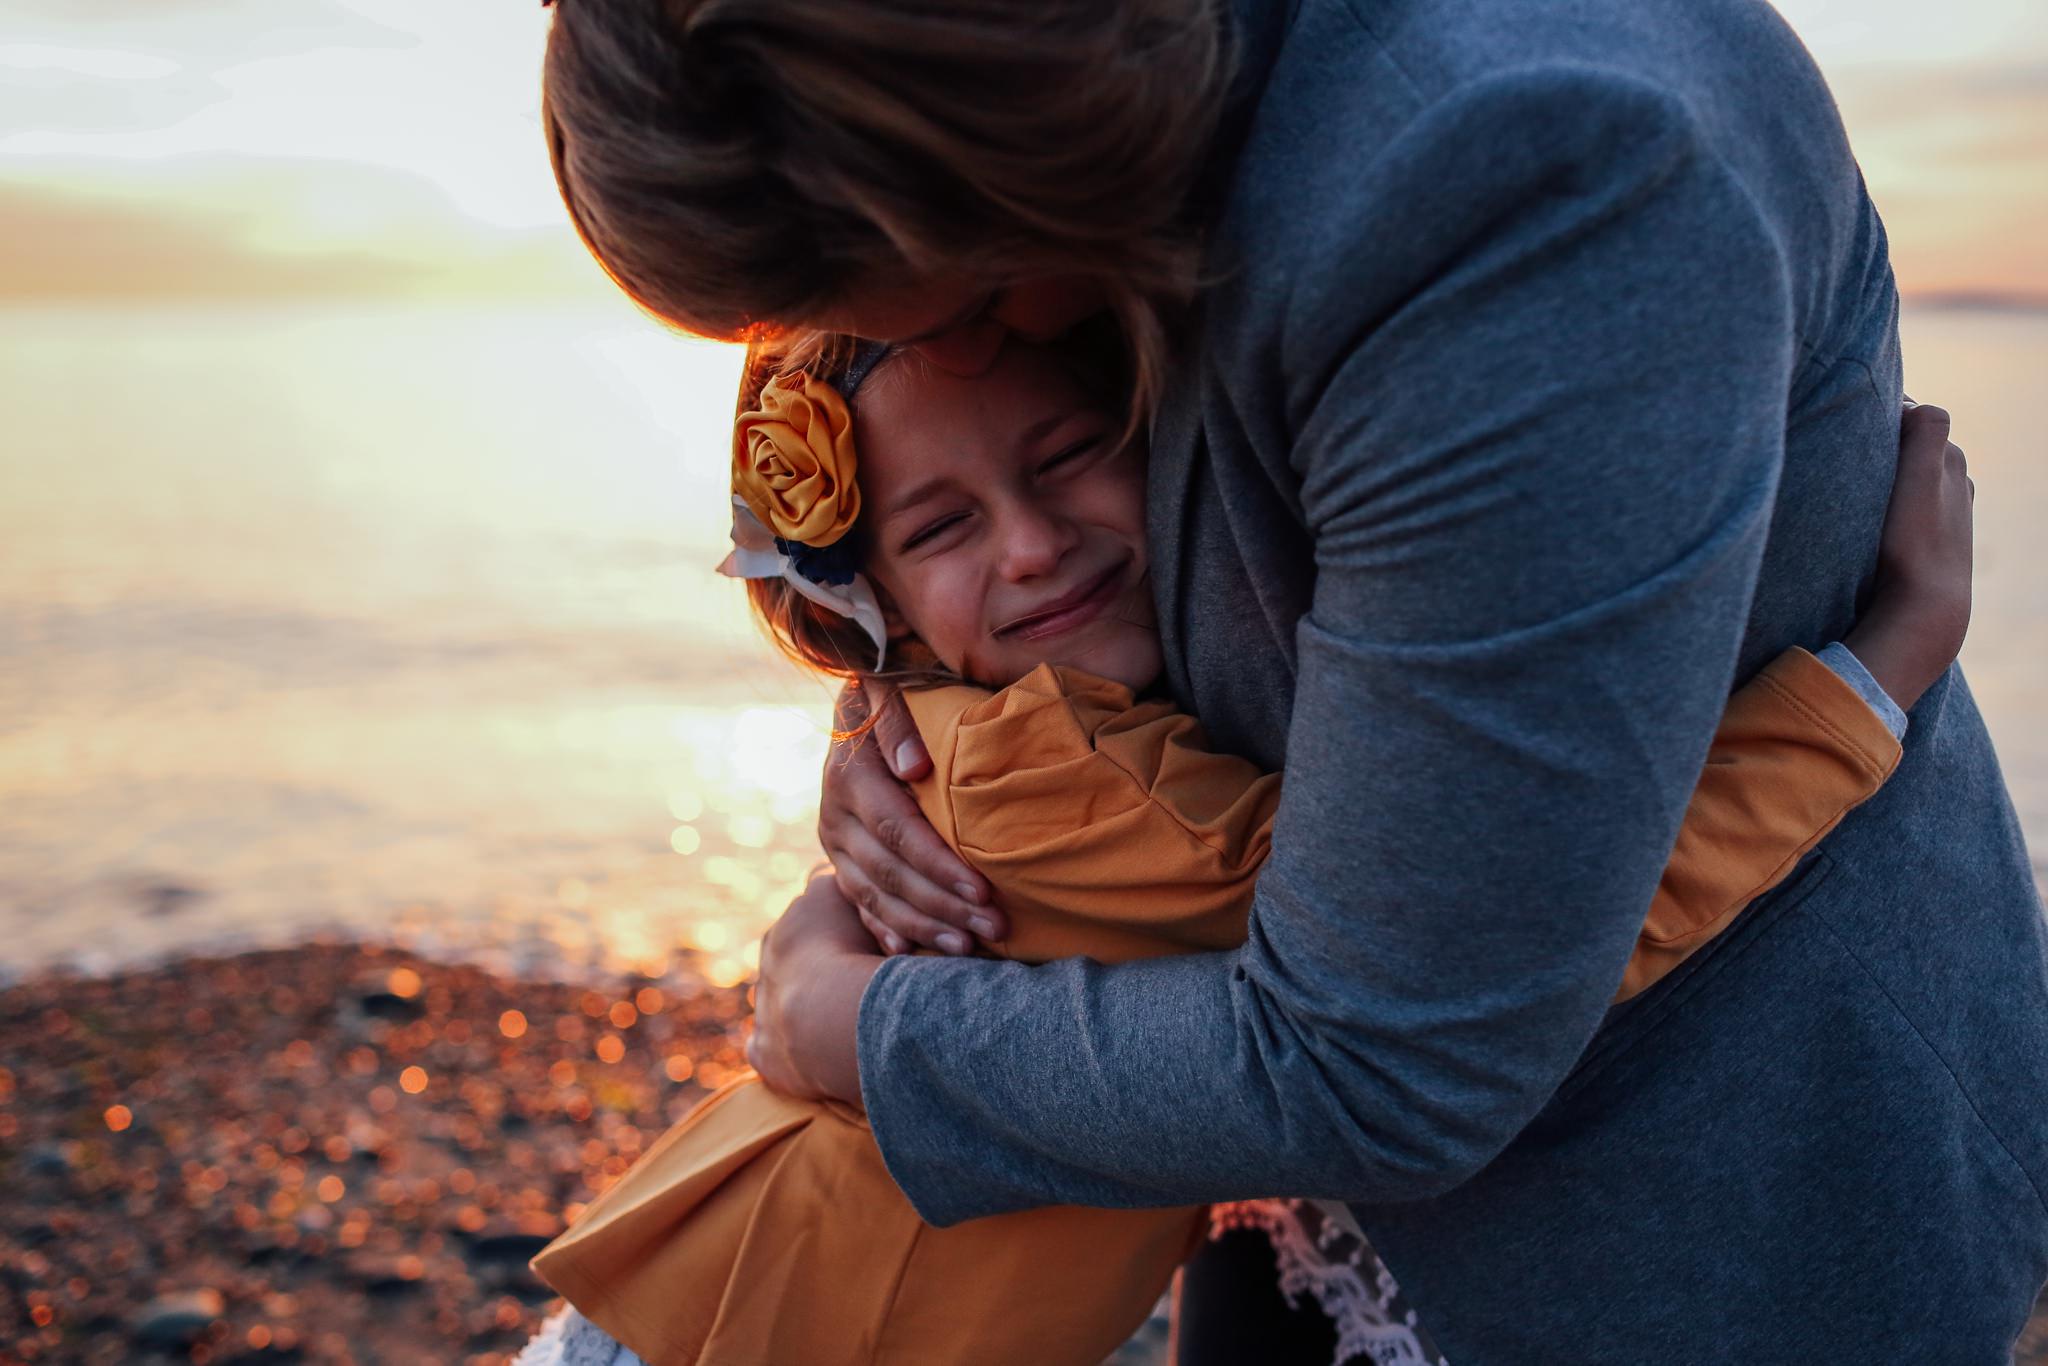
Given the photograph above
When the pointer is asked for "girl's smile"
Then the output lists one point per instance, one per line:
(1074, 609)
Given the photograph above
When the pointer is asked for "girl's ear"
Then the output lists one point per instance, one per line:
(907, 650)
(893, 624)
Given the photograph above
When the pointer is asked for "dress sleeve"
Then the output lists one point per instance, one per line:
(1796, 751)
(1111, 831)
(1107, 826)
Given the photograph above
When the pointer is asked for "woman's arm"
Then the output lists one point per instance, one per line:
(1539, 493)
(1538, 506)
(1178, 833)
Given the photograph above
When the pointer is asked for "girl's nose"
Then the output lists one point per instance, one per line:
(1034, 541)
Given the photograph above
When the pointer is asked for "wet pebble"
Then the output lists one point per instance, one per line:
(345, 1177)
(48, 1159)
(177, 1320)
(386, 1005)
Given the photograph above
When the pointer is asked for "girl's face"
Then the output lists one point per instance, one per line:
(1004, 522)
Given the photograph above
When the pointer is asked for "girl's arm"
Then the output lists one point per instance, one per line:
(1107, 827)
(1110, 830)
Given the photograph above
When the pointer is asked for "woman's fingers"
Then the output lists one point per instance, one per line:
(870, 826)
(882, 883)
(890, 941)
(897, 925)
(893, 864)
(895, 734)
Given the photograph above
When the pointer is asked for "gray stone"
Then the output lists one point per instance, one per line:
(178, 1319)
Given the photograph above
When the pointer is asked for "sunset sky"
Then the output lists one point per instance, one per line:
(263, 147)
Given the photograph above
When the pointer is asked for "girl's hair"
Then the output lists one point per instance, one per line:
(812, 636)
(738, 166)
(822, 640)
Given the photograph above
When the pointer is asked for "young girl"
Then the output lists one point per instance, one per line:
(981, 540)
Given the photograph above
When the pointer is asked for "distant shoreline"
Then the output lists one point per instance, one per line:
(1975, 301)
(2020, 302)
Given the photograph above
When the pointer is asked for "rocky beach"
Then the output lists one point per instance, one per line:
(337, 1153)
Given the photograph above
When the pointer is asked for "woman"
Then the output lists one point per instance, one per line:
(1527, 405)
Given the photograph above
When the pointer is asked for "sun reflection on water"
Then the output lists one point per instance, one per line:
(451, 665)
(738, 796)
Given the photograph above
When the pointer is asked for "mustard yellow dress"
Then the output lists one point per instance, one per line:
(765, 1231)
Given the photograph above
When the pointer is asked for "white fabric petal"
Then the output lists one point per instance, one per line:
(748, 531)
(754, 556)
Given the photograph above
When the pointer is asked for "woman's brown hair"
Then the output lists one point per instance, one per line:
(738, 166)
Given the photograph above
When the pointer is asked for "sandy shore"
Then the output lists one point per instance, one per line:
(322, 1154)
(333, 1153)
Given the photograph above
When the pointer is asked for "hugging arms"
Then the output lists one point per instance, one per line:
(995, 524)
(1539, 387)
(1487, 618)
(1478, 573)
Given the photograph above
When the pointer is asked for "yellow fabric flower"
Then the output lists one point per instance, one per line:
(792, 461)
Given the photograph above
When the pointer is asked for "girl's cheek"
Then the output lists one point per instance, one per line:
(954, 617)
(1118, 497)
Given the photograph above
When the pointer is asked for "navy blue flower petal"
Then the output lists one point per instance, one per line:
(832, 565)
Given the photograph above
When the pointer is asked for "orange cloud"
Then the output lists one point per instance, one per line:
(252, 231)
(1957, 160)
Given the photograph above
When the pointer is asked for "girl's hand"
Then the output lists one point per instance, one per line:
(1913, 627)
(911, 889)
(815, 963)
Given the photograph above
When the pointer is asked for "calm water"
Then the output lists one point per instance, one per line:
(387, 620)
(396, 622)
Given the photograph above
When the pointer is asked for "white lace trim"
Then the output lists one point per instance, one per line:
(569, 1339)
(1318, 1251)
(1319, 1256)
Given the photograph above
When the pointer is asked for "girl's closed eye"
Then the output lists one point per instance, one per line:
(936, 532)
(930, 532)
(1070, 457)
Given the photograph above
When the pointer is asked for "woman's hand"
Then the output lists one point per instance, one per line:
(815, 963)
(1913, 627)
(910, 888)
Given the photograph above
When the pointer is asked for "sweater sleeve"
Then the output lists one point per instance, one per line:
(1539, 489)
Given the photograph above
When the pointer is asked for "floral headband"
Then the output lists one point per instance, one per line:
(794, 499)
